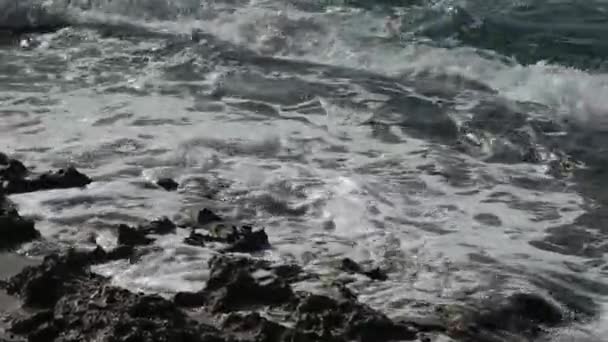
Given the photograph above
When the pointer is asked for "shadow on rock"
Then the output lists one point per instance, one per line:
(14, 229)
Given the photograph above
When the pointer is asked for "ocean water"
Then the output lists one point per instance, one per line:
(464, 148)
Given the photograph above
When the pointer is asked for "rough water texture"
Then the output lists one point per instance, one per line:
(438, 166)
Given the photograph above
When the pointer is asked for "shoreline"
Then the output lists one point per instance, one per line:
(71, 303)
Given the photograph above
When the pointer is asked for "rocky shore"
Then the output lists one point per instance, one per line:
(63, 300)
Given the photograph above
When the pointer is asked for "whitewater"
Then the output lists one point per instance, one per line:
(466, 153)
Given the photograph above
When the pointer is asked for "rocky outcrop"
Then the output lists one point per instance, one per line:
(15, 178)
(137, 236)
(75, 305)
(350, 266)
(70, 303)
(14, 229)
(239, 239)
(60, 179)
(167, 184)
(520, 315)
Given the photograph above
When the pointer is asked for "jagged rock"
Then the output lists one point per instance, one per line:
(167, 184)
(81, 306)
(196, 239)
(520, 312)
(129, 236)
(350, 266)
(42, 285)
(207, 216)
(523, 314)
(252, 327)
(14, 181)
(349, 320)
(233, 285)
(248, 241)
(13, 170)
(159, 226)
(14, 229)
(241, 240)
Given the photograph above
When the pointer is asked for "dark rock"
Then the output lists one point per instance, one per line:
(4, 159)
(207, 216)
(43, 333)
(167, 184)
(129, 236)
(253, 327)
(350, 266)
(520, 312)
(61, 179)
(81, 306)
(232, 285)
(240, 240)
(42, 285)
(289, 272)
(196, 239)
(136, 236)
(120, 252)
(247, 241)
(189, 299)
(348, 320)
(28, 324)
(159, 226)
(14, 170)
(376, 274)
(14, 229)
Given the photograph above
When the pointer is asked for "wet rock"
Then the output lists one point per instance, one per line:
(24, 325)
(42, 285)
(237, 283)
(96, 311)
(12, 170)
(136, 236)
(159, 226)
(329, 319)
(61, 179)
(129, 236)
(253, 327)
(521, 311)
(521, 314)
(240, 240)
(167, 184)
(14, 229)
(196, 239)
(81, 306)
(350, 266)
(207, 216)
(189, 299)
(248, 241)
